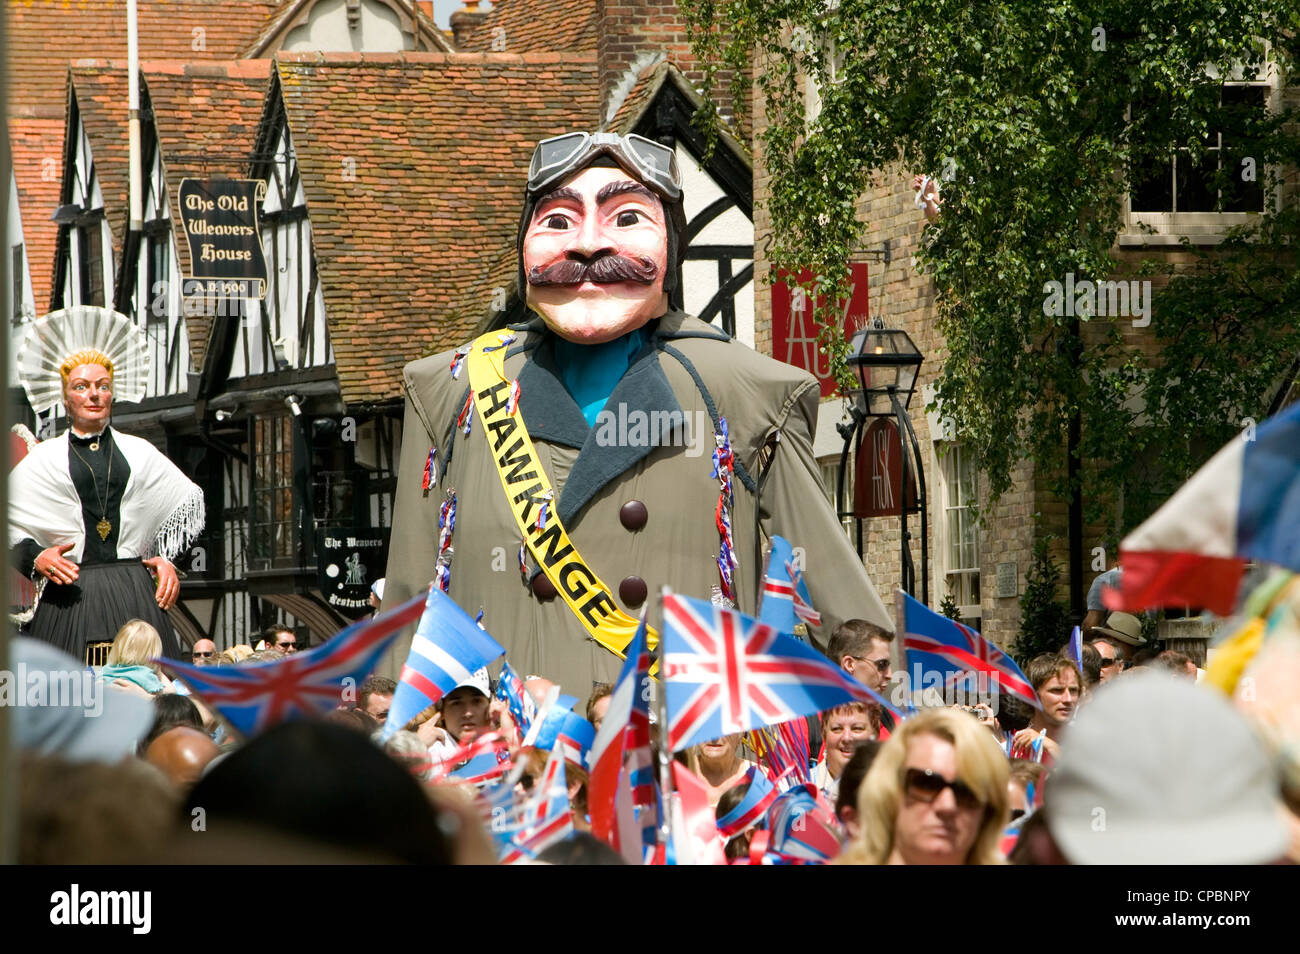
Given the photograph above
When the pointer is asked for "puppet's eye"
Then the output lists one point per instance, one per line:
(555, 221)
(628, 218)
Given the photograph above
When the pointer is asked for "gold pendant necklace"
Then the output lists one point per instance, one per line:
(104, 527)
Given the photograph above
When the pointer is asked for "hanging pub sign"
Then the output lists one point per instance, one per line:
(878, 474)
(225, 239)
(794, 333)
(348, 562)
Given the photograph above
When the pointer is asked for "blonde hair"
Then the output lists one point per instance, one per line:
(84, 356)
(980, 764)
(135, 644)
(235, 654)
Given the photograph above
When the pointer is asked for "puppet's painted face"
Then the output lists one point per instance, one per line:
(88, 396)
(595, 256)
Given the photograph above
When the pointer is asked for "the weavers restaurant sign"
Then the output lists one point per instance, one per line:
(349, 561)
(220, 219)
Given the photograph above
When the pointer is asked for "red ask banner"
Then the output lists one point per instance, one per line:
(878, 479)
(794, 334)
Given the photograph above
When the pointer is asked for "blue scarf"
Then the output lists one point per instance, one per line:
(591, 372)
(142, 676)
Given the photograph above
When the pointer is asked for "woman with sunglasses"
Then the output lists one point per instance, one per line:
(936, 794)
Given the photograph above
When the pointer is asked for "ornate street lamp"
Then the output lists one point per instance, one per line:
(888, 363)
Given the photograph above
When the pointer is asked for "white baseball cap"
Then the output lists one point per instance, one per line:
(477, 680)
(1156, 770)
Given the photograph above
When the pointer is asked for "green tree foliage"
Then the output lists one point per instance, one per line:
(948, 606)
(1044, 623)
(1037, 118)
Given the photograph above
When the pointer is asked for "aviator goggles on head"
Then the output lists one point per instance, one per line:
(558, 156)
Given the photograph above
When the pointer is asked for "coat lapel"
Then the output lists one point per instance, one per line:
(641, 398)
(550, 412)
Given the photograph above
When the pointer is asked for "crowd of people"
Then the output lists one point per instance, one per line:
(1135, 756)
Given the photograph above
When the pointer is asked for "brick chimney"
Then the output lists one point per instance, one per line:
(629, 28)
(465, 22)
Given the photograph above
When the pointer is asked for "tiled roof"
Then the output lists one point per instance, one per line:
(204, 111)
(529, 26)
(281, 21)
(440, 146)
(100, 89)
(200, 110)
(647, 83)
(44, 35)
(38, 172)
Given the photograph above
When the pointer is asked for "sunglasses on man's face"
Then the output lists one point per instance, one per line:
(198, 655)
(926, 786)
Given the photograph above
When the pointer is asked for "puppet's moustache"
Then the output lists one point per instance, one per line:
(603, 270)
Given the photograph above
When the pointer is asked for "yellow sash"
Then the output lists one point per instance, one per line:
(527, 488)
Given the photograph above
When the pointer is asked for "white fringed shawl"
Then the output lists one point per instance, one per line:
(162, 509)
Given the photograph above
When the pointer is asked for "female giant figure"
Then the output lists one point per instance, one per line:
(95, 515)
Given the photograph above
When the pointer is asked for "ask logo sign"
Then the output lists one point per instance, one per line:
(77, 907)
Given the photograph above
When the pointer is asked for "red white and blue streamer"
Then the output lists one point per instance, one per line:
(446, 526)
(430, 470)
(723, 466)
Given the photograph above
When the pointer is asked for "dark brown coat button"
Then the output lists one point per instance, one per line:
(543, 588)
(632, 591)
(633, 515)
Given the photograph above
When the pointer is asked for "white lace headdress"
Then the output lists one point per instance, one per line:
(49, 342)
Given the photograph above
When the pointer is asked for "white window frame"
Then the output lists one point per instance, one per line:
(1206, 228)
(945, 453)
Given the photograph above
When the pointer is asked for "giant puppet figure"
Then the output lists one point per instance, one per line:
(557, 474)
(95, 516)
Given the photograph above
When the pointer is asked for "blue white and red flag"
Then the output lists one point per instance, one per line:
(478, 760)
(753, 807)
(1242, 505)
(447, 649)
(1075, 649)
(952, 652)
(625, 731)
(255, 697)
(563, 729)
(726, 672)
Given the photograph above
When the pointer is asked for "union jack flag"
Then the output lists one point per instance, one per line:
(935, 643)
(255, 697)
(541, 818)
(804, 828)
(511, 691)
(785, 595)
(727, 672)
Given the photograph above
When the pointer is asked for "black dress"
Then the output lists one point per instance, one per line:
(108, 591)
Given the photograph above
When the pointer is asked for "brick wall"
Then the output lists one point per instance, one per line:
(629, 27)
(906, 299)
